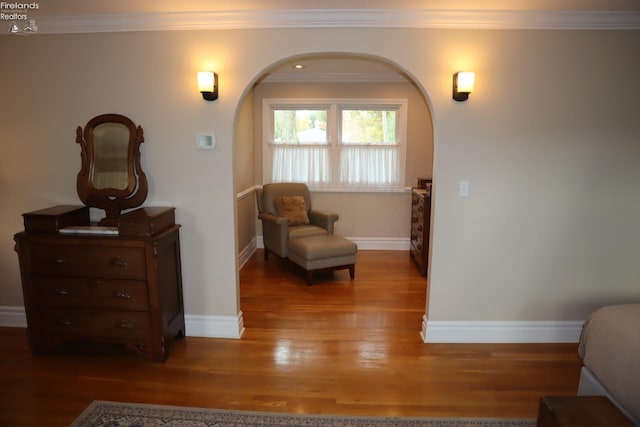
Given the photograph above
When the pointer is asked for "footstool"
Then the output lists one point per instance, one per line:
(323, 253)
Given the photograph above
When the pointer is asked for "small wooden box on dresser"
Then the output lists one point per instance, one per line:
(118, 285)
(420, 225)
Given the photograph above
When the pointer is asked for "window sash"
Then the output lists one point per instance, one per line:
(389, 135)
(343, 166)
(307, 135)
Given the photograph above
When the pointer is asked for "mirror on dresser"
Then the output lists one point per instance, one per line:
(111, 176)
(118, 281)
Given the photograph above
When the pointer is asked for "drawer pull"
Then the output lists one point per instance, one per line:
(63, 322)
(118, 262)
(125, 324)
(61, 292)
(59, 261)
(121, 293)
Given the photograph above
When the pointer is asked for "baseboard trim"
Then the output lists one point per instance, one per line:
(214, 326)
(382, 243)
(12, 317)
(433, 331)
(364, 243)
(246, 253)
(196, 325)
(500, 332)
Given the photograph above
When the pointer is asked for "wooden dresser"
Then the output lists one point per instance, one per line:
(420, 223)
(83, 284)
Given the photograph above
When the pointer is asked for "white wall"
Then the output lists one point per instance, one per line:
(548, 142)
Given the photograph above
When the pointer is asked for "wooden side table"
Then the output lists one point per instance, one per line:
(580, 411)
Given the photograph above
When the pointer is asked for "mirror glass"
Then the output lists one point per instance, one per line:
(111, 156)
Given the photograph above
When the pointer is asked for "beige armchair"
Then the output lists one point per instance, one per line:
(286, 213)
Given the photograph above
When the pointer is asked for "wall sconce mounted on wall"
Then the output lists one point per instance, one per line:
(463, 85)
(208, 85)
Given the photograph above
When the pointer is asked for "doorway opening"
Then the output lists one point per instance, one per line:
(379, 222)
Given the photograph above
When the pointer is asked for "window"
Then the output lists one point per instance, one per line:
(335, 144)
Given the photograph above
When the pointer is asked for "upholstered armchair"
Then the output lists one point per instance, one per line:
(286, 213)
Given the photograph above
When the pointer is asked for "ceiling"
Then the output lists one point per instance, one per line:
(334, 68)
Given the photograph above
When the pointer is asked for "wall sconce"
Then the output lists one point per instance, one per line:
(208, 85)
(463, 85)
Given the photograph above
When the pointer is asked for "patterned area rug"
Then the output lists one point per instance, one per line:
(114, 414)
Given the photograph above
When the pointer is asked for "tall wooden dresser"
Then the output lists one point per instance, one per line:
(420, 225)
(118, 285)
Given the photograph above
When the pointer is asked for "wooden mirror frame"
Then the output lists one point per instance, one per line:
(112, 200)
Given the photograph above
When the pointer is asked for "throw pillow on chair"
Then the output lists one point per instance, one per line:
(292, 208)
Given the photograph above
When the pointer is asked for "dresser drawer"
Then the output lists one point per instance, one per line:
(89, 261)
(91, 292)
(146, 221)
(96, 323)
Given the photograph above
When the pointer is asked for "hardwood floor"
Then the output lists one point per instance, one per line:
(337, 347)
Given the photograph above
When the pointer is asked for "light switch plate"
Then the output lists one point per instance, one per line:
(463, 188)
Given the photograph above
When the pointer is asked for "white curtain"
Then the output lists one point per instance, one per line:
(301, 163)
(369, 166)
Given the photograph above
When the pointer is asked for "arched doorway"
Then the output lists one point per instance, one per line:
(335, 76)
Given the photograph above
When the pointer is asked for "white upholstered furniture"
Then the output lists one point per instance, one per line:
(610, 348)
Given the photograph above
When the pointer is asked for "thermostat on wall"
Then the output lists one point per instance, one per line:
(206, 141)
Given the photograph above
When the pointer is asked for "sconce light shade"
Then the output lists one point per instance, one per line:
(208, 85)
(463, 85)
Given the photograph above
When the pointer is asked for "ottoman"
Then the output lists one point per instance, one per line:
(326, 252)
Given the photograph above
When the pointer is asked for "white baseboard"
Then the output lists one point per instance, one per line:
(214, 326)
(249, 250)
(365, 243)
(196, 325)
(434, 331)
(12, 317)
(382, 243)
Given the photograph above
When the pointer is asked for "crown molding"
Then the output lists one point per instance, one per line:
(342, 18)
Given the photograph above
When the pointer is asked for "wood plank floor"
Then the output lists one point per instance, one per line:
(337, 347)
